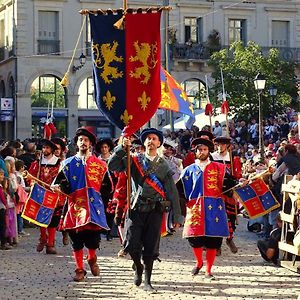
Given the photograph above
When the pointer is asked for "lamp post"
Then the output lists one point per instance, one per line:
(82, 61)
(273, 93)
(259, 83)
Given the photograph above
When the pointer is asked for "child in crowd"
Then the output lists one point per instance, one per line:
(11, 219)
(22, 194)
(3, 206)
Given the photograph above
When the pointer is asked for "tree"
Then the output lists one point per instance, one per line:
(240, 65)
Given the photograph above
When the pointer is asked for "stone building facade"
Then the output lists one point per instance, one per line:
(37, 39)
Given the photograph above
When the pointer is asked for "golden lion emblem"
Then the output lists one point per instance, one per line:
(144, 51)
(108, 54)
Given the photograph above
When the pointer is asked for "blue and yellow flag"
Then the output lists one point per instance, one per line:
(126, 68)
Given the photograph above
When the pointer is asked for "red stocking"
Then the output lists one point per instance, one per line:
(91, 253)
(43, 234)
(198, 256)
(51, 236)
(210, 258)
(78, 256)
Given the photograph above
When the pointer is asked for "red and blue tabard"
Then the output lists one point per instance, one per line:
(85, 205)
(206, 214)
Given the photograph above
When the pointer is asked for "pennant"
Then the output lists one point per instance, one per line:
(225, 107)
(40, 205)
(256, 198)
(208, 109)
(174, 98)
(126, 68)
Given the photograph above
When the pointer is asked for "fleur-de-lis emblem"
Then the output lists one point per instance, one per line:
(144, 100)
(109, 100)
(126, 117)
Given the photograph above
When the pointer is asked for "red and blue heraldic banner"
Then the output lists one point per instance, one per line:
(126, 68)
(256, 198)
(40, 205)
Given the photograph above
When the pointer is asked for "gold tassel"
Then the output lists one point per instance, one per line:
(120, 24)
(65, 81)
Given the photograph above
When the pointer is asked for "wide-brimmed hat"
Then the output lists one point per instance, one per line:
(148, 131)
(83, 131)
(59, 141)
(223, 140)
(201, 133)
(200, 141)
(46, 142)
(107, 141)
(170, 143)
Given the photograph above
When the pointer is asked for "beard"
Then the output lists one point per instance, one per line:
(203, 157)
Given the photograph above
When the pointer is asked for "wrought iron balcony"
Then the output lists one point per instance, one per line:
(202, 52)
(48, 47)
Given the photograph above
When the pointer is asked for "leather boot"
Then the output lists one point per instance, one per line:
(148, 272)
(80, 274)
(138, 268)
(40, 246)
(50, 250)
(230, 243)
(94, 266)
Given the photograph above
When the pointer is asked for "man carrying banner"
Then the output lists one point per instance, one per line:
(223, 156)
(206, 219)
(153, 192)
(46, 169)
(81, 177)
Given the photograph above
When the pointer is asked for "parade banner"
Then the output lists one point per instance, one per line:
(256, 198)
(40, 205)
(174, 98)
(126, 68)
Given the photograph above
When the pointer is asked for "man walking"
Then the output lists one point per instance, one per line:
(46, 169)
(81, 178)
(206, 220)
(153, 192)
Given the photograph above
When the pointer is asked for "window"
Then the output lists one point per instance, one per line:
(194, 89)
(86, 94)
(280, 34)
(45, 91)
(237, 31)
(190, 30)
(48, 40)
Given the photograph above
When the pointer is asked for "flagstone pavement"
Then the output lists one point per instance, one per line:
(26, 274)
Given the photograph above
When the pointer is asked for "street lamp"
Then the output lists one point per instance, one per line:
(273, 93)
(259, 83)
(82, 61)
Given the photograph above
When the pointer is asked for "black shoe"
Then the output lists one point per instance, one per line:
(149, 288)
(196, 270)
(138, 275)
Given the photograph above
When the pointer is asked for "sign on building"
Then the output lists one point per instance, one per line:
(7, 104)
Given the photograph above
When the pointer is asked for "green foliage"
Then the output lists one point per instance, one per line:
(240, 65)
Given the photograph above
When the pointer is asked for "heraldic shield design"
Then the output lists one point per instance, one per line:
(126, 68)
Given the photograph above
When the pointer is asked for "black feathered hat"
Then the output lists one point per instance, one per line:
(83, 131)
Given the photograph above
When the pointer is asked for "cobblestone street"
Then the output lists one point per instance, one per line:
(26, 274)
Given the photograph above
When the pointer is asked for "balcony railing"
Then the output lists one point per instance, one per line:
(2, 53)
(48, 47)
(202, 52)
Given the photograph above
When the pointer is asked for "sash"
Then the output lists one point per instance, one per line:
(149, 177)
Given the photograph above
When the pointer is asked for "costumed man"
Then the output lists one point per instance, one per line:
(175, 165)
(202, 184)
(104, 148)
(46, 169)
(190, 157)
(153, 192)
(60, 153)
(81, 177)
(223, 156)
